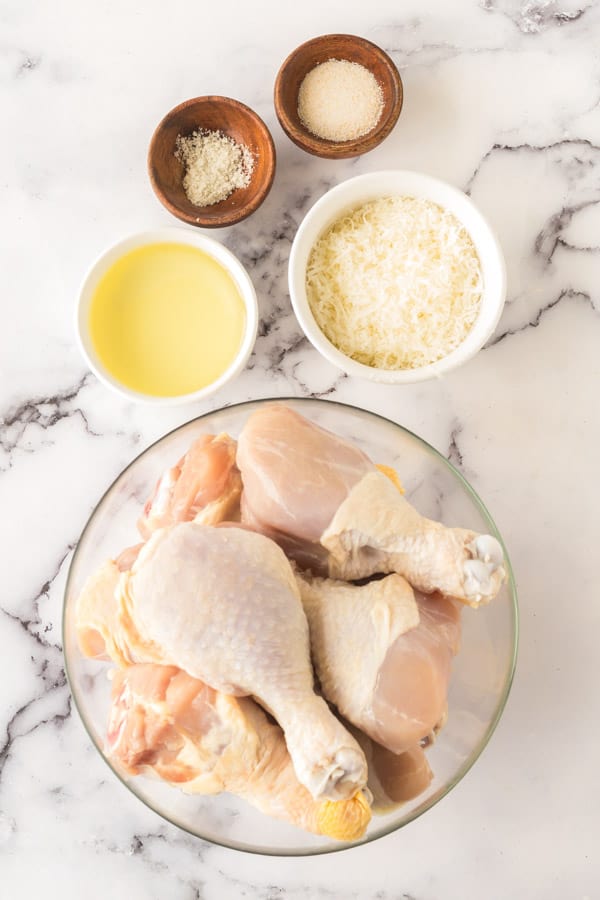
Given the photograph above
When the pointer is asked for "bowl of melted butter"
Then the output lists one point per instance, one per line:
(167, 317)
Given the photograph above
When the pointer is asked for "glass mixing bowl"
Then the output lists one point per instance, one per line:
(481, 674)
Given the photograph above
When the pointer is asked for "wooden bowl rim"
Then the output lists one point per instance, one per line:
(227, 217)
(339, 149)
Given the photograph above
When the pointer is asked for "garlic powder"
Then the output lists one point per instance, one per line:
(215, 166)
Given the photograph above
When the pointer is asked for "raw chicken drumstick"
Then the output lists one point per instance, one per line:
(204, 486)
(163, 721)
(141, 735)
(383, 656)
(223, 604)
(335, 512)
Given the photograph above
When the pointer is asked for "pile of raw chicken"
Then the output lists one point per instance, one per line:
(265, 563)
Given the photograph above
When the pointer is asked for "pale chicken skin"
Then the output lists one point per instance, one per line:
(332, 510)
(382, 655)
(105, 629)
(96, 614)
(204, 486)
(98, 620)
(164, 722)
(223, 604)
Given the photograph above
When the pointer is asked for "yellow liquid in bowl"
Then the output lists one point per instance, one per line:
(166, 320)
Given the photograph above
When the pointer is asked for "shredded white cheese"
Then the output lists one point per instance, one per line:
(395, 283)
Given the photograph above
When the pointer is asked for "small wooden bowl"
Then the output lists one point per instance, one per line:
(319, 50)
(214, 114)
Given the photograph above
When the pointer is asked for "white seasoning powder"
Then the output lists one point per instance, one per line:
(340, 100)
(215, 166)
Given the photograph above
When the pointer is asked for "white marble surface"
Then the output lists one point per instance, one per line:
(502, 99)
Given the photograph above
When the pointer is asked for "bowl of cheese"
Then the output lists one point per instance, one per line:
(396, 277)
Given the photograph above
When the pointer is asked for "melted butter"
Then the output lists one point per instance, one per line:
(166, 319)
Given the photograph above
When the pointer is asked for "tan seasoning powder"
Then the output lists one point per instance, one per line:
(215, 166)
(340, 100)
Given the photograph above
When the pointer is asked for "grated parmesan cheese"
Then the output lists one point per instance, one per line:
(395, 283)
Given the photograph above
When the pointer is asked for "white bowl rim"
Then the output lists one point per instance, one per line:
(171, 235)
(411, 183)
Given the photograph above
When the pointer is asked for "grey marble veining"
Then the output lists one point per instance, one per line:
(502, 98)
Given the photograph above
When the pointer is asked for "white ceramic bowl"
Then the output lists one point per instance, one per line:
(172, 236)
(352, 193)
